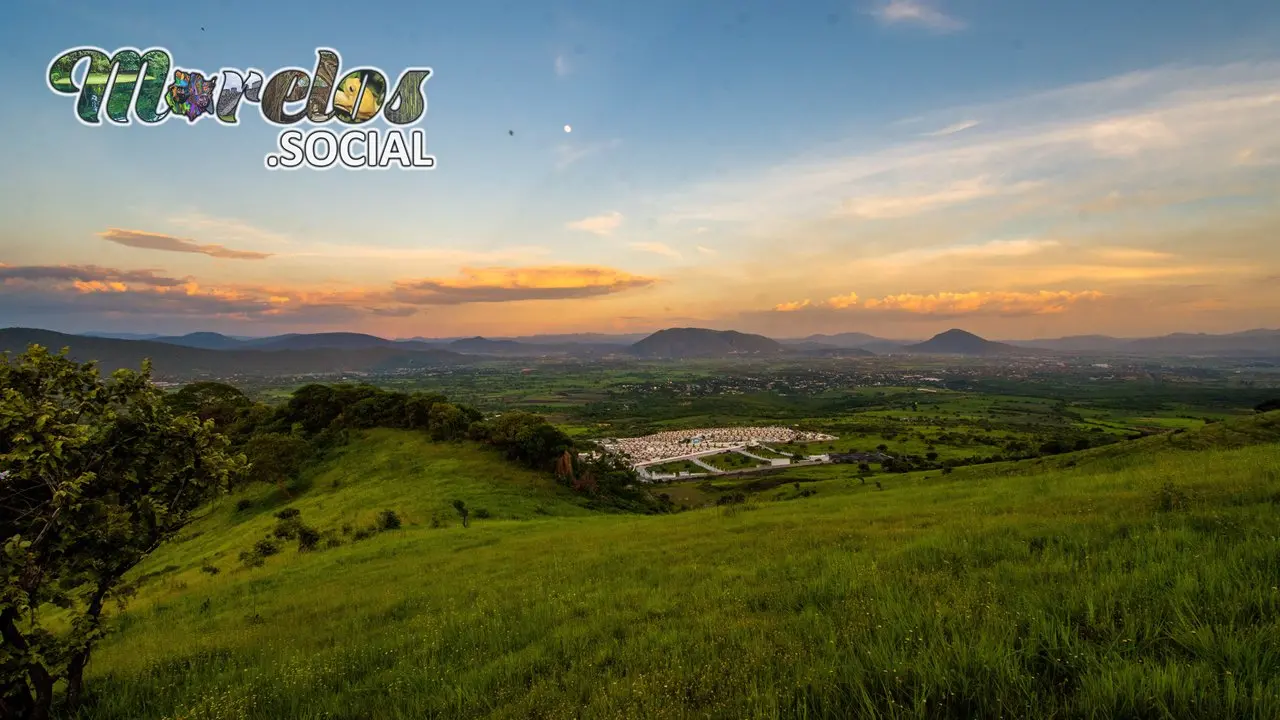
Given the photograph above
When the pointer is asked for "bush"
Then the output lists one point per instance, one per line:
(287, 513)
(1170, 497)
(266, 548)
(308, 538)
(212, 570)
(388, 520)
(251, 559)
(483, 514)
(243, 504)
(363, 534)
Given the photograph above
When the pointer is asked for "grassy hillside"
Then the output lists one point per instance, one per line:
(1135, 581)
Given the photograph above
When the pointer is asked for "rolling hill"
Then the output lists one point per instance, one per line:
(959, 342)
(680, 343)
(181, 362)
(1133, 580)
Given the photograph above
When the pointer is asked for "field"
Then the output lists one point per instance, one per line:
(1132, 580)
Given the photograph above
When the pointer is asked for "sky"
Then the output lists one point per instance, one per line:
(895, 167)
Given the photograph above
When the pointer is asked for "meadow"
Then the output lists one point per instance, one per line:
(1134, 580)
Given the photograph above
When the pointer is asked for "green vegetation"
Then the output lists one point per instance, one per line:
(400, 555)
(1127, 581)
(729, 461)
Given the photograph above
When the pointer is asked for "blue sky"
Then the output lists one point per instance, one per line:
(896, 167)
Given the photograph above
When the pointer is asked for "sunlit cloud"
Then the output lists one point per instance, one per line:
(1043, 302)
(603, 225)
(1142, 131)
(992, 249)
(953, 129)
(916, 12)
(706, 250)
(514, 284)
(880, 207)
(63, 287)
(169, 243)
(657, 248)
(792, 306)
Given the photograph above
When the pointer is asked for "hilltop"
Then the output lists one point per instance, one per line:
(679, 343)
(182, 362)
(959, 342)
(1057, 584)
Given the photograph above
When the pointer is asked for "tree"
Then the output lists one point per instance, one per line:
(97, 474)
(276, 457)
(931, 456)
(1268, 406)
(210, 401)
(882, 448)
(463, 512)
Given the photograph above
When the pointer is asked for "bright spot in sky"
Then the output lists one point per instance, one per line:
(568, 129)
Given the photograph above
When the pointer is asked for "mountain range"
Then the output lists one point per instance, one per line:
(212, 354)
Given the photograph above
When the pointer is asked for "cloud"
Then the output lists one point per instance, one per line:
(841, 302)
(991, 249)
(85, 274)
(1130, 254)
(602, 225)
(706, 251)
(884, 207)
(656, 248)
(1144, 131)
(792, 306)
(169, 243)
(92, 290)
(570, 153)
(953, 129)
(515, 284)
(916, 12)
(1044, 302)
(562, 65)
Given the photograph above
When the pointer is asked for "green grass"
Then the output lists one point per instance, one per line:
(1137, 581)
(731, 461)
(678, 466)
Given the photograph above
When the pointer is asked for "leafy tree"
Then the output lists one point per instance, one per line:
(931, 456)
(276, 457)
(1269, 405)
(96, 474)
(463, 512)
(210, 401)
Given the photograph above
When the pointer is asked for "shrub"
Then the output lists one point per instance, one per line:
(308, 538)
(243, 504)
(388, 520)
(287, 513)
(251, 559)
(266, 548)
(1170, 497)
(363, 534)
(211, 569)
(483, 514)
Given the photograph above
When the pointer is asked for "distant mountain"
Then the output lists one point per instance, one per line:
(122, 336)
(1074, 343)
(1250, 343)
(677, 343)
(485, 346)
(315, 341)
(206, 340)
(179, 362)
(959, 342)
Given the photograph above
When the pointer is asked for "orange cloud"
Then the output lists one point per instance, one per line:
(1037, 303)
(146, 292)
(1020, 303)
(169, 243)
(792, 306)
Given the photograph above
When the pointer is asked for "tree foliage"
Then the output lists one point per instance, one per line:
(94, 474)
